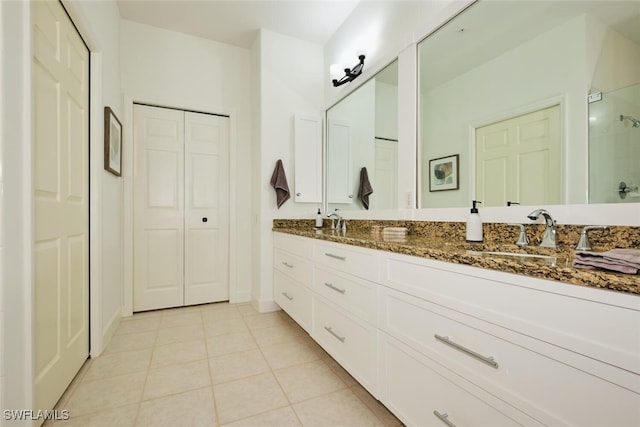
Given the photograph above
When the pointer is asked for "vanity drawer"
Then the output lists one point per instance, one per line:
(419, 392)
(293, 298)
(552, 391)
(357, 296)
(573, 318)
(351, 342)
(348, 259)
(294, 267)
(301, 246)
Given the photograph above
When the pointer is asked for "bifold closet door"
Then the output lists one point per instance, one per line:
(206, 226)
(158, 278)
(181, 208)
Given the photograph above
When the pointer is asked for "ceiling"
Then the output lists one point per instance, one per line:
(237, 22)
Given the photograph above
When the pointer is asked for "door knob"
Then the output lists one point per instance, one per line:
(204, 219)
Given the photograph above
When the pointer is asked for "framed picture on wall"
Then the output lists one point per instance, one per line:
(112, 142)
(443, 173)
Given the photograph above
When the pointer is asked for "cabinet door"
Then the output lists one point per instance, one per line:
(308, 158)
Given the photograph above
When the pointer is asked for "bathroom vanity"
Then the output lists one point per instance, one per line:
(444, 343)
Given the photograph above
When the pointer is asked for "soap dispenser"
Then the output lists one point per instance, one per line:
(474, 224)
(319, 219)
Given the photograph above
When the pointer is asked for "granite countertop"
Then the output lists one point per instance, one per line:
(460, 252)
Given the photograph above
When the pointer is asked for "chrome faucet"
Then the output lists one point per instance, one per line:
(550, 238)
(335, 225)
(583, 243)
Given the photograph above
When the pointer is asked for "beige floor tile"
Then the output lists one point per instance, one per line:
(224, 326)
(192, 408)
(124, 362)
(180, 334)
(249, 396)
(235, 366)
(176, 379)
(143, 315)
(277, 334)
(181, 319)
(302, 382)
(230, 343)
(288, 354)
(267, 320)
(122, 417)
(381, 411)
(180, 352)
(129, 342)
(341, 408)
(283, 417)
(246, 309)
(106, 393)
(135, 325)
(216, 315)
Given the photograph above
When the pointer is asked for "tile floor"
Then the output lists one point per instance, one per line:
(216, 365)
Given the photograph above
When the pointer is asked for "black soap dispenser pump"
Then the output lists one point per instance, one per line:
(474, 224)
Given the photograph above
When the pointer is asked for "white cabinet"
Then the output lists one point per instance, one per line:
(442, 343)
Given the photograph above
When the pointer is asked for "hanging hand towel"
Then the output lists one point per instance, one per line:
(279, 183)
(365, 190)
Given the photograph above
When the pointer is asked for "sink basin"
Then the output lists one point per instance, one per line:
(536, 259)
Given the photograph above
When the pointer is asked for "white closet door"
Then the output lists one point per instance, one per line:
(206, 235)
(158, 208)
(60, 202)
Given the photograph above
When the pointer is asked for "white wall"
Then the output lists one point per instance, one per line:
(288, 81)
(176, 70)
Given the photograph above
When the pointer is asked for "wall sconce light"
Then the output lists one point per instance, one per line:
(350, 74)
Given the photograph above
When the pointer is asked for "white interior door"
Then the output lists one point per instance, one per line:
(158, 208)
(513, 153)
(385, 183)
(339, 181)
(181, 208)
(206, 227)
(60, 202)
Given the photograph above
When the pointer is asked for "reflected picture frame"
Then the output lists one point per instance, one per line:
(112, 142)
(444, 173)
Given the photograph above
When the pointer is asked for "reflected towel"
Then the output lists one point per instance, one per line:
(279, 183)
(619, 260)
(364, 190)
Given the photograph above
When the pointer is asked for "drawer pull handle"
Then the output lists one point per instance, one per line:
(338, 337)
(341, 258)
(335, 288)
(286, 264)
(444, 418)
(287, 296)
(489, 360)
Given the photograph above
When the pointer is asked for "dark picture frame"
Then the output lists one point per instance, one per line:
(112, 142)
(444, 173)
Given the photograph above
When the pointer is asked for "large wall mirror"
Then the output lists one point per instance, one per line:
(531, 102)
(362, 145)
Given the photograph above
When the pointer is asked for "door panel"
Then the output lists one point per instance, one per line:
(60, 202)
(158, 208)
(206, 272)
